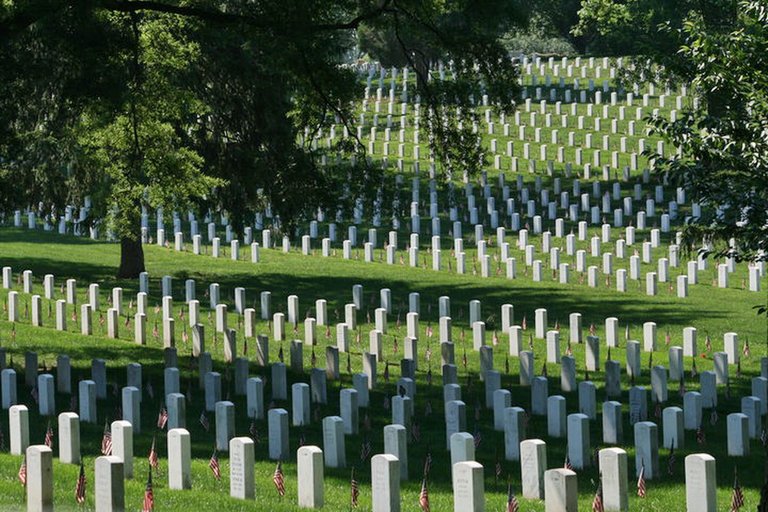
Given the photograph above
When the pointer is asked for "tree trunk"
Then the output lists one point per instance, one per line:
(131, 258)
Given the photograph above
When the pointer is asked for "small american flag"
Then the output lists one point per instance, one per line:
(525, 324)
(512, 504)
(80, 487)
(597, 502)
(427, 463)
(478, 437)
(279, 480)
(746, 351)
(214, 465)
(153, 458)
(204, 421)
(567, 464)
(23, 472)
(106, 441)
(592, 330)
(737, 498)
(355, 490)
(254, 431)
(415, 432)
(49, 436)
(149, 495)
(672, 460)
(424, 496)
(701, 438)
(162, 418)
(713, 417)
(641, 482)
(365, 450)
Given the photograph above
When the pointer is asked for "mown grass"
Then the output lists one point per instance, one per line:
(710, 310)
(713, 311)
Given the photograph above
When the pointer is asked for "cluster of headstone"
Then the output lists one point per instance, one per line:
(603, 253)
(556, 486)
(537, 230)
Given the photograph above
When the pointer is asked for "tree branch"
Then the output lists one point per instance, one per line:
(195, 12)
(224, 17)
(24, 18)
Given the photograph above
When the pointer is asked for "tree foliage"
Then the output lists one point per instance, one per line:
(724, 151)
(632, 27)
(143, 104)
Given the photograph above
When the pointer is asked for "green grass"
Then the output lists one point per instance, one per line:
(710, 310)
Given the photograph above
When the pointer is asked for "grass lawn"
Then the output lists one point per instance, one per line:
(710, 310)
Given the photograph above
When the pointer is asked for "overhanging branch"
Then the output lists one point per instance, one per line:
(26, 17)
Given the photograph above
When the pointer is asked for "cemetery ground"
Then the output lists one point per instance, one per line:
(712, 311)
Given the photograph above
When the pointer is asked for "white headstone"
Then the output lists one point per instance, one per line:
(179, 459)
(39, 460)
(533, 464)
(309, 466)
(241, 468)
(385, 483)
(700, 483)
(468, 487)
(560, 490)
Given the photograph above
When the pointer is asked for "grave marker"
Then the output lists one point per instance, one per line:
(309, 465)
(700, 483)
(179, 459)
(241, 468)
(385, 483)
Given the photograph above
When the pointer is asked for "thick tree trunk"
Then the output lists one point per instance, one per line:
(131, 258)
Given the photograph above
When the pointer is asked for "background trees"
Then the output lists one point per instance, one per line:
(144, 104)
(185, 104)
(724, 145)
